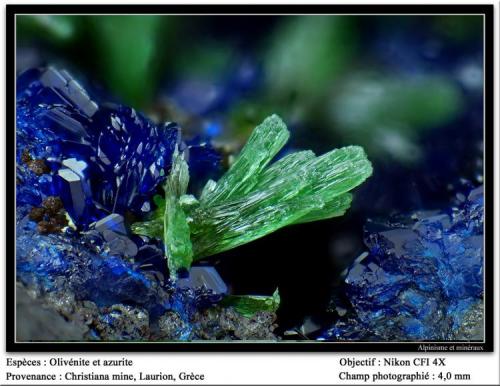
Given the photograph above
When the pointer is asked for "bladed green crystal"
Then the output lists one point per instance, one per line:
(176, 233)
(298, 188)
(334, 208)
(265, 142)
(253, 199)
(249, 305)
(177, 239)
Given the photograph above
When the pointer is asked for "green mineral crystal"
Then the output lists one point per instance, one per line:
(249, 305)
(254, 198)
(176, 233)
(265, 142)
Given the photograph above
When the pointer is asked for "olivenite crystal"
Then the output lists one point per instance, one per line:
(250, 200)
(253, 199)
(249, 305)
(175, 226)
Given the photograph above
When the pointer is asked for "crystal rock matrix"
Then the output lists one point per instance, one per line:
(421, 280)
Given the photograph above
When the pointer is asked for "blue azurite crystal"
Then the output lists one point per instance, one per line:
(47, 109)
(420, 278)
(67, 264)
(118, 157)
(131, 156)
(83, 265)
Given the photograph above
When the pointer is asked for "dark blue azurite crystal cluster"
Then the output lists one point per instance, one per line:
(105, 158)
(104, 162)
(422, 277)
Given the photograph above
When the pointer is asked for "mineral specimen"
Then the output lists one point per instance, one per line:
(253, 199)
(86, 168)
(421, 279)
